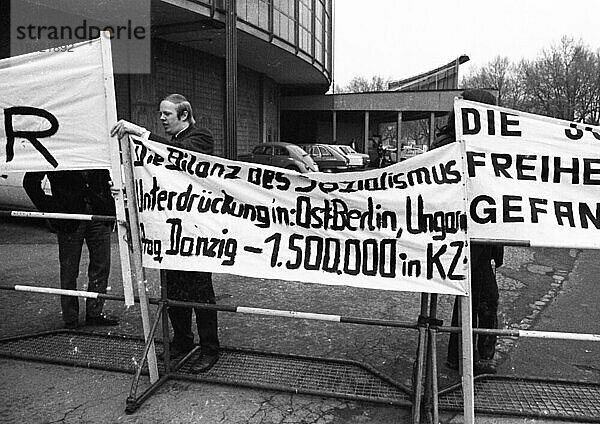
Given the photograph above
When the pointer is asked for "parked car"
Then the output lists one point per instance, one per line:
(12, 194)
(328, 159)
(355, 159)
(282, 155)
(408, 152)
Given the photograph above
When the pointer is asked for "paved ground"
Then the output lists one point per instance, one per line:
(548, 289)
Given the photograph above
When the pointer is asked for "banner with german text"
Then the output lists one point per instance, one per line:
(54, 113)
(531, 179)
(399, 228)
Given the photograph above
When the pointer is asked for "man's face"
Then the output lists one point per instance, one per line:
(168, 118)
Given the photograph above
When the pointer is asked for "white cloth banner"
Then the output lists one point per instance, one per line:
(54, 110)
(399, 228)
(531, 179)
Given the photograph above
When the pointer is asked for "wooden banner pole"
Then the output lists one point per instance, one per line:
(466, 308)
(140, 275)
(116, 176)
(467, 359)
(419, 368)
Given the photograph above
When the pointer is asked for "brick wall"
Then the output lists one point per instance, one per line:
(201, 78)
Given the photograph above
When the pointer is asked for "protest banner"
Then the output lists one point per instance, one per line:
(399, 228)
(57, 108)
(531, 179)
(54, 110)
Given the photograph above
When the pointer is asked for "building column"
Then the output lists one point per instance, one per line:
(262, 127)
(366, 135)
(431, 129)
(398, 135)
(334, 129)
(230, 147)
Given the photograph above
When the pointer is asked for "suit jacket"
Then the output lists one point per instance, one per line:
(194, 138)
(85, 192)
(190, 285)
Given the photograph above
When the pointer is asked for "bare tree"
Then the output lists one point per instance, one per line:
(501, 75)
(564, 82)
(362, 84)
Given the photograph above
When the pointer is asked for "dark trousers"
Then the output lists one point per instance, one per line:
(192, 286)
(484, 300)
(97, 238)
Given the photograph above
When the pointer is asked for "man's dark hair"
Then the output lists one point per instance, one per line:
(181, 104)
(447, 134)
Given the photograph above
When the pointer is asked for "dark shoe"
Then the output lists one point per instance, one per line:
(71, 325)
(102, 320)
(176, 352)
(205, 363)
(484, 366)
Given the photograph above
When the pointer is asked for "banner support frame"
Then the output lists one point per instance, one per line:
(137, 259)
(466, 307)
(419, 370)
(116, 174)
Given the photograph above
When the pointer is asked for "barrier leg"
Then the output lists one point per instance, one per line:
(431, 388)
(133, 403)
(467, 359)
(165, 323)
(420, 362)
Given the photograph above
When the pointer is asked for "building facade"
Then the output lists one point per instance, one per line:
(284, 47)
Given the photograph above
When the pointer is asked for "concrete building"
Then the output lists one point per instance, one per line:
(357, 118)
(282, 65)
(283, 47)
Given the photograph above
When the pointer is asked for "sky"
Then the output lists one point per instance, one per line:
(397, 39)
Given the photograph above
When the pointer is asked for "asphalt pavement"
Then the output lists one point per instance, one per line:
(541, 289)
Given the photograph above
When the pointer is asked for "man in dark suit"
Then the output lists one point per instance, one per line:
(177, 118)
(484, 288)
(81, 192)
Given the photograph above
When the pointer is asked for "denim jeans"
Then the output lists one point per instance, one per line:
(97, 238)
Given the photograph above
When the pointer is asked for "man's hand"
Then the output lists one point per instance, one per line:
(115, 191)
(125, 127)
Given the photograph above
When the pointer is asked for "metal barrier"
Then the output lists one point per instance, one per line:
(425, 393)
(318, 376)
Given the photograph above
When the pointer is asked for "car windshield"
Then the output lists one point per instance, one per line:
(298, 150)
(324, 151)
(259, 150)
(280, 151)
(347, 149)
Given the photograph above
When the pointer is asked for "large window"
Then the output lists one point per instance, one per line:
(327, 41)
(255, 12)
(283, 19)
(318, 31)
(304, 24)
